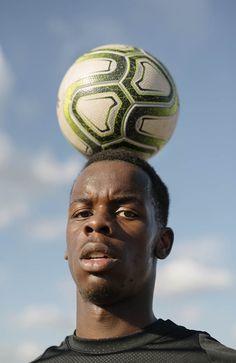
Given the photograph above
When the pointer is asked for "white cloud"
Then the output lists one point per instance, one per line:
(27, 351)
(12, 211)
(205, 248)
(26, 177)
(40, 320)
(233, 335)
(187, 275)
(189, 315)
(22, 352)
(34, 171)
(45, 230)
(67, 290)
(194, 266)
(50, 171)
(46, 316)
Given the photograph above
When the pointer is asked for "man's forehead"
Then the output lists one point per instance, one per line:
(115, 174)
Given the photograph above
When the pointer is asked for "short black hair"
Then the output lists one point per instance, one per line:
(159, 189)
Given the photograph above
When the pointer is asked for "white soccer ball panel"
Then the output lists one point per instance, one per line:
(159, 127)
(148, 79)
(88, 67)
(99, 111)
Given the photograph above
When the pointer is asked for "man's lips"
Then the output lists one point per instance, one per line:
(98, 265)
(98, 257)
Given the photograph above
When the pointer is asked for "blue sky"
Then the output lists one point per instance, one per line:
(39, 40)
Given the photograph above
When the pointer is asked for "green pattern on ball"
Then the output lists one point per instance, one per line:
(79, 123)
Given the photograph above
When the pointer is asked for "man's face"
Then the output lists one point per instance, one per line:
(112, 232)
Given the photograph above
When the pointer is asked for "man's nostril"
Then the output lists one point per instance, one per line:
(88, 229)
(104, 229)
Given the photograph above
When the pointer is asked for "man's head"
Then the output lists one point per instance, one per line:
(159, 190)
(115, 228)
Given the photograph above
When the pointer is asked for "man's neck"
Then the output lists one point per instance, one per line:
(120, 319)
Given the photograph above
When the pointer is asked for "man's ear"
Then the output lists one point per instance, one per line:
(66, 255)
(164, 243)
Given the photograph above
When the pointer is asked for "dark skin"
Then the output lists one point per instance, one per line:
(113, 241)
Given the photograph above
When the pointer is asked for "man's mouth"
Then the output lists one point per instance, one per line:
(97, 257)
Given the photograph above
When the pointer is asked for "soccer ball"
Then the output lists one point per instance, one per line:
(117, 96)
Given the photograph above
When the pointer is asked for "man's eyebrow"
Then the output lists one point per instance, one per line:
(125, 199)
(82, 200)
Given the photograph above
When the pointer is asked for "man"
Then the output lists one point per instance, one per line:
(116, 232)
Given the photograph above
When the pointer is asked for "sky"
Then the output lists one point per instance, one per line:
(39, 40)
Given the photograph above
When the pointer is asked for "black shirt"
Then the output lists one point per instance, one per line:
(160, 342)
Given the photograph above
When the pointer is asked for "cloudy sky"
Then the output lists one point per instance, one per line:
(39, 40)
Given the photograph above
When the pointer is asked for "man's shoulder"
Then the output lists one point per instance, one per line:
(216, 351)
(53, 351)
(213, 349)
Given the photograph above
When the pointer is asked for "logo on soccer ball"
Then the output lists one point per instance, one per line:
(117, 96)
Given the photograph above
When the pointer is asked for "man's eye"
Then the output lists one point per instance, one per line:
(127, 213)
(82, 214)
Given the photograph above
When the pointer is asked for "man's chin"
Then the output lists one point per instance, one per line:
(101, 296)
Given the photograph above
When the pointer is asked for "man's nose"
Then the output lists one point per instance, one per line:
(99, 223)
